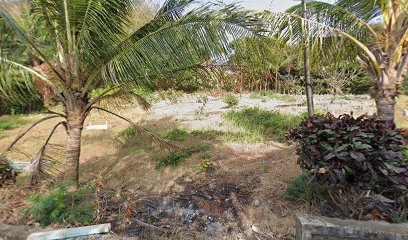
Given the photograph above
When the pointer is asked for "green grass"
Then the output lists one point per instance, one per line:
(207, 134)
(10, 122)
(177, 134)
(173, 159)
(272, 95)
(261, 124)
(227, 136)
(6, 125)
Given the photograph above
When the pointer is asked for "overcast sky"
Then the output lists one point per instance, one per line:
(273, 5)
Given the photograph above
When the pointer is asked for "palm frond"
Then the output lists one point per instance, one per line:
(99, 27)
(28, 41)
(336, 16)
(121, 97)
(290, 27)
(200, 36)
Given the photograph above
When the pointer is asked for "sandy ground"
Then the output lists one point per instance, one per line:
(185, 111)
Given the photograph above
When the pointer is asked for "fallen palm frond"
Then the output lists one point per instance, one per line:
(43, 166)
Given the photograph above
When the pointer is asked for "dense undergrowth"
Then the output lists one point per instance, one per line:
(62, 205)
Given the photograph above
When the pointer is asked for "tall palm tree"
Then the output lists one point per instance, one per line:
(378, 28)
(92, 45)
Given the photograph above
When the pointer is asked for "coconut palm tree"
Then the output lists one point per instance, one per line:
(91, 45)
(378, 28)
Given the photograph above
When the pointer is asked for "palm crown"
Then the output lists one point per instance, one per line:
(377, 28)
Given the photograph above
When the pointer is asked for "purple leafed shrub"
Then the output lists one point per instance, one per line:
(360, 162)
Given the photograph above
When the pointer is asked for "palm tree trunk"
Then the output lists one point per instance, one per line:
(386, 97)
(73, 151)
(75, 122)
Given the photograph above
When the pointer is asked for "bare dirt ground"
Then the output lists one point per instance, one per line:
(239, 197)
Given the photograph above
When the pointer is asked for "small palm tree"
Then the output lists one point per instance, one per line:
(91, 45)
(378, 28)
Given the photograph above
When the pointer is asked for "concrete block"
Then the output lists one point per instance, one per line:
(322, 228)
(71, 232)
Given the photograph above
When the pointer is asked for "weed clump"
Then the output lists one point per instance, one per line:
(127, 133)
(173, 159)
(205, 163)
(231, 101)
(177, 134)
(63, 206)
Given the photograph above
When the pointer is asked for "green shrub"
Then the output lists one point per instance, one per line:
(304, 189)
(231, 101)
(360, 162)
(173, 159)
(270, 125)
(405, 154)
(127, 133)
(177, 135)
(62, 206)
(360, 85)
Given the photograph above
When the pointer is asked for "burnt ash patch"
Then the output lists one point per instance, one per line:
(211, 209)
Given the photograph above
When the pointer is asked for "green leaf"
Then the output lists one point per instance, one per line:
(357, 156)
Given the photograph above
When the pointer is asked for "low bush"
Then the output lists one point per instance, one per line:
(177, 134)
(304, 189)
(231, 101)
(63, 206)
(360, 162)
(270, 125)
(173, 159)
(127, 133)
